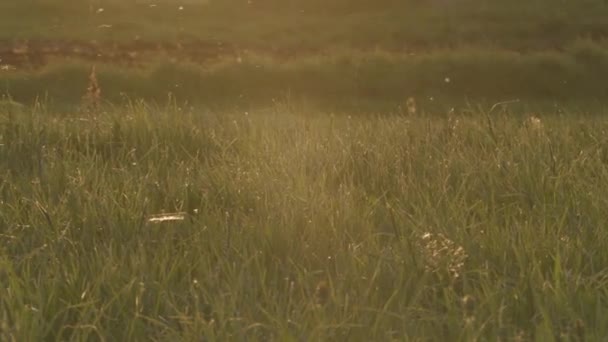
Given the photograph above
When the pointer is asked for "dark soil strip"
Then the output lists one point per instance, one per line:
(35, 54)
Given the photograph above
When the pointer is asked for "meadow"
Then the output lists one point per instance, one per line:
(345, 80)
(265, 170)
(310, 26)
(237, 52)
(162, 223)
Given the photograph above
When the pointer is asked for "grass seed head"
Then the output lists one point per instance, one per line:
(410, 104)
(579, 330)
(207, 313)
(468, 305)
(322, 293)
(441, 253)
(92, 97)
(533, 123)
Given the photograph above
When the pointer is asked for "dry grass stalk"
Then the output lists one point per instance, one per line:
(169, 217)
(92, 98)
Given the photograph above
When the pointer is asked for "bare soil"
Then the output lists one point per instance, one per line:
(37, 53)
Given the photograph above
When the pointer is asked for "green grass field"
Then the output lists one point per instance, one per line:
(265, 170)
(573, 76)
(309, 25)
(301, 225)
(374, 51)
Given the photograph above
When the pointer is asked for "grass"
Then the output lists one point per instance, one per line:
(278, 189)
(302, 25)
(300, 225)
(344, 55)
(343, 79)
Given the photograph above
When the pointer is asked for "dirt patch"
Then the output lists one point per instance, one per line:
(37, 53)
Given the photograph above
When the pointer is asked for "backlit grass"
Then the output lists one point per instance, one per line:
(302, 225)
(344, 79)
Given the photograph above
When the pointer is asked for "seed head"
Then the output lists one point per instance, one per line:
(468, 305)
(322, 293)
(92, 97)
(411, 105)
(579, 330)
